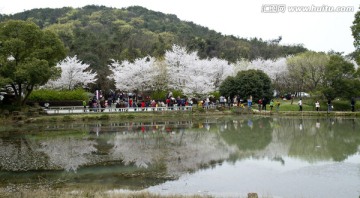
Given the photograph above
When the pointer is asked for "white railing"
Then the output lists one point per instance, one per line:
(81, 109)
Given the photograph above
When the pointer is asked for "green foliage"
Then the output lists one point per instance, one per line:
(287, 106)
(215, 94)
(227, 88)
(161, 94)
(340, 79)
(329, 93)
(256, 135)
(247, 83)
(177, 93)
(338, 68)
(355, 28)
(28, 56)
(307, 70)
(158, 95)
(55, 95)
(341, 105)
(272, 49)
(9, 108)
(309, 105)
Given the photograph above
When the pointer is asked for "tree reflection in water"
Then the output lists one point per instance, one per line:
(181, 150)
(68, 153)
(177, 146)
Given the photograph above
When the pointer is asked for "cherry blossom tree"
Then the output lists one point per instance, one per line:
(273, 68)
(178, 60)
(131, 76)
(192, 75)
(218, 71)
(73, 73)
(179, 70)
(205, 76)
(161, 79)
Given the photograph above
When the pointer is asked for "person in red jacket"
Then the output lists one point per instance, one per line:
(130, 102)
(143, 105)
(260, 104)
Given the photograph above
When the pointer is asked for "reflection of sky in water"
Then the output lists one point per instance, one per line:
(296, 178)
(286, 160)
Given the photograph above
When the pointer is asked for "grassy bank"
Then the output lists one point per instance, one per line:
(94, 193)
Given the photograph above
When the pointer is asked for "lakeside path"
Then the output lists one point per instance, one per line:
(193, 110)
(198, 112)
(41, 115)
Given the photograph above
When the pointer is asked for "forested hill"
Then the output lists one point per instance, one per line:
(97, 33)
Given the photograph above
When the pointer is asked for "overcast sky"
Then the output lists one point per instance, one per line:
(318, 31)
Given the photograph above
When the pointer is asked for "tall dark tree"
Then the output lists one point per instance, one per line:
(28, 56)
(247, 83)
(340, 79)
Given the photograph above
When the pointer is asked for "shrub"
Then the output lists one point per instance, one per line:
(177, 93)
(216, 95)
(57, 95)
(159, 95)
(344, 105)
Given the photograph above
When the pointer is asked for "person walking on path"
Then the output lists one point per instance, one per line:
(249, 103)
(264, 102)
(222, 101)
(84, 105)
(260, 104)
(352, 104)
(329, 106)
(300, 105)
(229, 101)
(271, 105)
(317, 105)
(277, 106)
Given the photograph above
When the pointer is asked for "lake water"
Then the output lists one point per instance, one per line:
(219, 156)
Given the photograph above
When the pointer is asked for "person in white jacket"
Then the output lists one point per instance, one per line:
(300, 104)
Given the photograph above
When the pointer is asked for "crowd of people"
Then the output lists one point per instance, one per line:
(123, 100)
(129, 100)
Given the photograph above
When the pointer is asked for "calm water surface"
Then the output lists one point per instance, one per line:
(224, 157)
